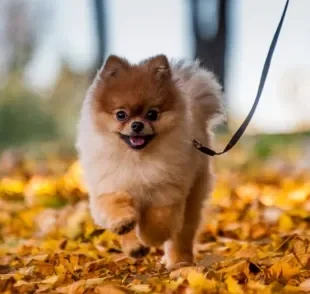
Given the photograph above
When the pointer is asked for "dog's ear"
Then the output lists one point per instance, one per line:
(113, 66)
(159, 66)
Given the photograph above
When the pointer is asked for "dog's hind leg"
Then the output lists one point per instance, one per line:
(179, 249)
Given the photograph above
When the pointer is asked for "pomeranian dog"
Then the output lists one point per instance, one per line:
(146, 181)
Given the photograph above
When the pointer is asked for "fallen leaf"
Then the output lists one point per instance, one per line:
(184, 272)
(255, 238)
(198, 281)
(50, 280)
(285, 223)
(142, 288)
(109, 289)
(74, 288)
(305, 285)
(233, 286)
(95, 281)
(284, 270)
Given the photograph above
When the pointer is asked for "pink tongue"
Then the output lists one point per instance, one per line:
(137, 141)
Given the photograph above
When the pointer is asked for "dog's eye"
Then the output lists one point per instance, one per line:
(152, 115)
(121, 115)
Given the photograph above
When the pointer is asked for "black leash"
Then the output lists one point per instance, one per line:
(235, 138)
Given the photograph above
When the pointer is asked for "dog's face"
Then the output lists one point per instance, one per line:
(137, 103)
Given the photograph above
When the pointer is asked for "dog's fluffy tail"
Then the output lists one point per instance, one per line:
(202, 91)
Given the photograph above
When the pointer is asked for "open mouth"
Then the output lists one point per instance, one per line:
(137, 141)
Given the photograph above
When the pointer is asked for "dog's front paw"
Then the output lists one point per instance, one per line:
(175, 259)
(174, 266)
(116, 212)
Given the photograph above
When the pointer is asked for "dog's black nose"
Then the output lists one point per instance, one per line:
(137, 126)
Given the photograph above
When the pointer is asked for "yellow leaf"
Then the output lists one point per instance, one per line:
(26, 271)
(59, 269)
(197, 281)
(285, 223)
(142, 288)
(74, 261)
(18, 276)
(9, 276)
(21, 283)
(39, 257)
(50, 280)
(256, 285)
(291, 289)
(284, 270)
(233, 286)
(236, 268)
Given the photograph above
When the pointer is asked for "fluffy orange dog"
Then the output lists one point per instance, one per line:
(146, 181)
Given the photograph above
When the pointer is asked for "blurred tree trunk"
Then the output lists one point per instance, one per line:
(210, 46)
(209, 24)
(99, 6)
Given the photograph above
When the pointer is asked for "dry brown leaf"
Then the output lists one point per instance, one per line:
(50, 280)
(141, 288)
(74, 288)
(39, 257)
(95, 281)
(184, 271)
(109, 289)
(209, 260)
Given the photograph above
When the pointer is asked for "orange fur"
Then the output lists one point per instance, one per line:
(154, 195)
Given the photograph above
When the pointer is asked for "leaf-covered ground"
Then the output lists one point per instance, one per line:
(256, 238)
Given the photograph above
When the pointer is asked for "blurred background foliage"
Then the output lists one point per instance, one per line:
(50, 51)
(27, 118)
(24, 119)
